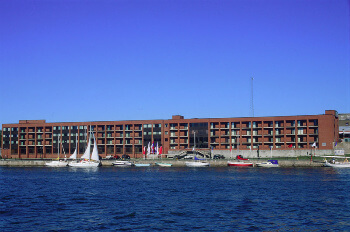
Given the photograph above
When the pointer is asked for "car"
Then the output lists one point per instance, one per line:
(125, 157)
(111, 157)
(219, 157)
(188, 157)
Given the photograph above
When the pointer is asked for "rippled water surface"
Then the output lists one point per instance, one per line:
(174, 199)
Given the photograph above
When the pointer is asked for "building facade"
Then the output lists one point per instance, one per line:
(39, 139)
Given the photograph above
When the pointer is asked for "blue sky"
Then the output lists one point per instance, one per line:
(103, 60)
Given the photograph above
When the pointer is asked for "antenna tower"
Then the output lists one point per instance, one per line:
(252, 97)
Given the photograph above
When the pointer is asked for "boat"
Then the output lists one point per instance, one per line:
(337, 164)
(268, 164)
(57, 162)
(239, 164)
(122, 163)
(197, 164)
(142, 165)
(164, 164)
(87, 161)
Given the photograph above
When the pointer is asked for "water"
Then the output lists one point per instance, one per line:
(174, 199)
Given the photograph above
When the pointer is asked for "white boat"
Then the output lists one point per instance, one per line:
(164, 164)
(197, 164)
(57, 162)
(142, 165)
(122, 163)
(337, 164)
(94, 161)
(268, 164)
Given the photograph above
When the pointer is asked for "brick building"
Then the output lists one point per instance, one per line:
(38, 139)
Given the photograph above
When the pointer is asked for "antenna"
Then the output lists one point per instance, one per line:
(252, 97)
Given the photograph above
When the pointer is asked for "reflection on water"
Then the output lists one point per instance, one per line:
(174, 199)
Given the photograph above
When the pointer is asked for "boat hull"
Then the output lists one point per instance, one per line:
(84, 164)
(337, 165)
(56, 163)
(266, 165)
(197, 164)
(164, 164)
(239, 164)
(142, 165)
(122, 163)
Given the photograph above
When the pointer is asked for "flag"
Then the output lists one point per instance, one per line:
(270, 147)
(149, 149)
(336, 144)
(231, 148)
(290, 145)
(160, 150)
(314, 144)
(157, 149)
(152, 147)
(144, 150)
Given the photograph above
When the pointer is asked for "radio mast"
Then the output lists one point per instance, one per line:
(252, 97)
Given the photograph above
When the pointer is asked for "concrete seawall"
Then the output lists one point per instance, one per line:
(176, 163)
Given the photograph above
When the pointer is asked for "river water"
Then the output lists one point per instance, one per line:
(174, 199)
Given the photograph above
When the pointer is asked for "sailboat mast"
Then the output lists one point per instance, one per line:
(194, 147)
(58, 146)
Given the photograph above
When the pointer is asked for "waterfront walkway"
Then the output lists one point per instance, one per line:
(176, 163)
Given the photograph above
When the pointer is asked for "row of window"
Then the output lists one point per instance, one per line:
(185, 125)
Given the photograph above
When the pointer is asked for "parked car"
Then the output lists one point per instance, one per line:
(219, 157)
(125, 157)
(111, 157)
(188, 157)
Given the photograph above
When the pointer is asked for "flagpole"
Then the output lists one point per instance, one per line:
(271, 151)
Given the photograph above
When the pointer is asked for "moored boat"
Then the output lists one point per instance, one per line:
(268, 164)
(93, 161)
(57, 162)
(337, 164)
(197, 164)
(239, 164)
(142, 165)
(122, 163)
(164, 164)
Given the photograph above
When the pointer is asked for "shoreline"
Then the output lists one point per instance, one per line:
(175, 163)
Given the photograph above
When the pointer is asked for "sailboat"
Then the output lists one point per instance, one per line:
(87, 161)
(197, 162)
(57, 162)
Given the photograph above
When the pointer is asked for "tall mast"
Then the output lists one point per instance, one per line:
(252, 97)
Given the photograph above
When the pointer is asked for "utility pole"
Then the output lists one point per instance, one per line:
(252, 97)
